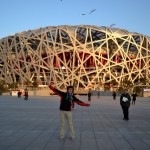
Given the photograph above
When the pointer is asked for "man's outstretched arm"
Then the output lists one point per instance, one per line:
(55, 90)
(76, 100)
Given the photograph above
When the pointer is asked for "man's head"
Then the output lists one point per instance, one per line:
(70, 89)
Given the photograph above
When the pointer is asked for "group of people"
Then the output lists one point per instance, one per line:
(68, 99)
(25, 94)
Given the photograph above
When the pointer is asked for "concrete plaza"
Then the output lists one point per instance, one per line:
(34, 125)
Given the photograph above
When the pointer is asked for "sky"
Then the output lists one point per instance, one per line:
(21, 15)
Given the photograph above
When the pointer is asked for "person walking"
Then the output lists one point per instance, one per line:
(65, 109)
(19, 94)
(114, 95)
(125, 99)
(89, 95)
(26, 94)
(134, 95)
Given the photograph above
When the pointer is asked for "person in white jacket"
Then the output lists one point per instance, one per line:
(125, 99)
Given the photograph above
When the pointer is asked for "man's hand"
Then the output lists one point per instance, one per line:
(88, 104)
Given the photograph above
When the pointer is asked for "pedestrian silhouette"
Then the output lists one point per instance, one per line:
(89, 95)
(19, 94)
(114, 95)
(125, 104)
(26, 94)
(134, 95)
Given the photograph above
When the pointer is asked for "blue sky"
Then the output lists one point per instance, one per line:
(19, 15)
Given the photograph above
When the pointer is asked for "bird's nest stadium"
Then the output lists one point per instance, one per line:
(84, 56)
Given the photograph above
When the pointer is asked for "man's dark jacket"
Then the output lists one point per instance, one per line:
(128, 97)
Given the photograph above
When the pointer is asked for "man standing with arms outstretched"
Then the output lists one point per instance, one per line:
(65, 109)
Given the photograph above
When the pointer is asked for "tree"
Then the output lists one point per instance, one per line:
(35, 85)
(141, 84)
(138, 90)
(13, 85)
(28, 83)
(144, 81)
(106, 86)
(2, 86)
(125, 84)
(113, 83)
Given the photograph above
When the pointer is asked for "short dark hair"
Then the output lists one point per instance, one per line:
(70, 86)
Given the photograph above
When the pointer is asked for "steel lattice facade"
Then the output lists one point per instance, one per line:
(83, 56)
